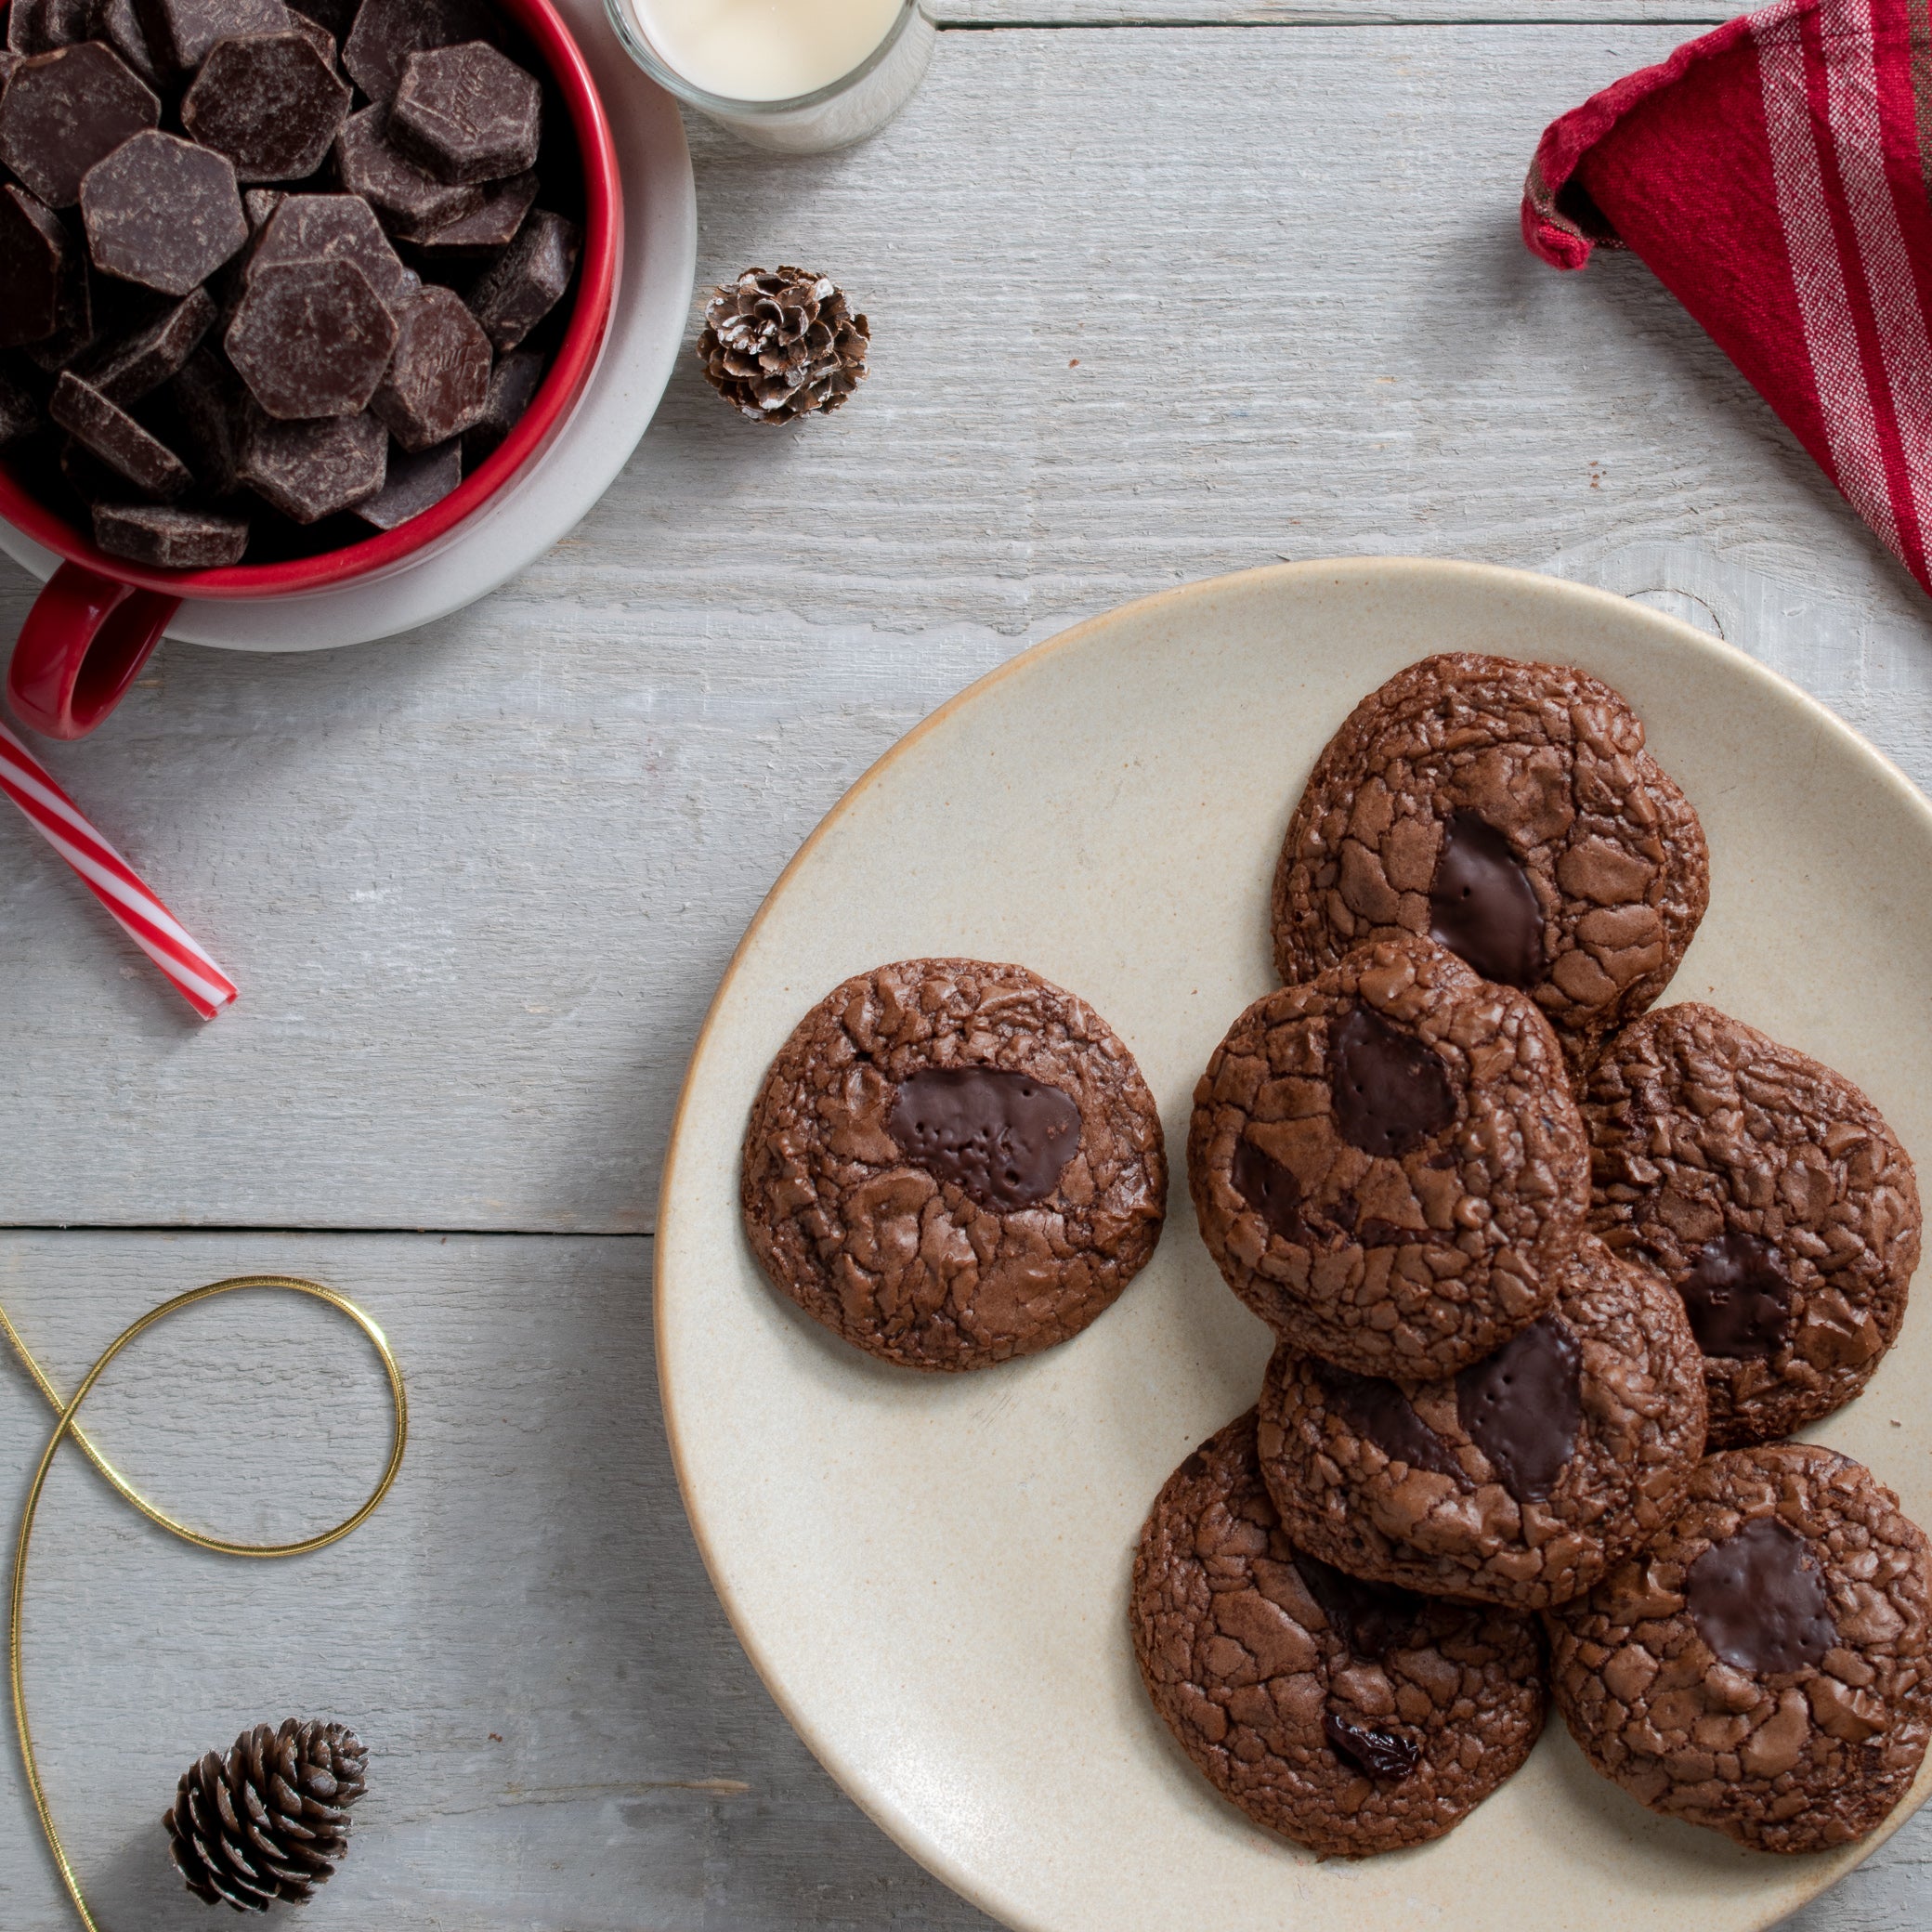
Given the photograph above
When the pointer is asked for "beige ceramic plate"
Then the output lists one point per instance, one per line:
(931, 1572)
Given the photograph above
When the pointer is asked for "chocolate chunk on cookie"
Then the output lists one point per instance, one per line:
(951, 1163)
(1761, 1668)
(1387, 1164)
(1771, 1195)
(1350, 1716)
(1510, 811)
(1520, 1479)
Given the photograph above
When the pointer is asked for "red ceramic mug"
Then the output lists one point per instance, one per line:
(99, 617)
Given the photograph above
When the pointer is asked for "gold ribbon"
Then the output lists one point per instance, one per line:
(65, 1429)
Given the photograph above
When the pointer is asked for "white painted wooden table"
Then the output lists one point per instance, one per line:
(1190, 293)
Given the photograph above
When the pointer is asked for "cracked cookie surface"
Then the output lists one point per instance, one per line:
(1761, 1668)
(1771, 1195)
(1387, 1164)
(1510, 810)
(1519, 1481)
(1349, 1718)
(951, 1163)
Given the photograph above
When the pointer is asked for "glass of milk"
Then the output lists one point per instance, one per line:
(801, 75)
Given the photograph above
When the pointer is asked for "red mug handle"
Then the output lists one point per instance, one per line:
(81, 644)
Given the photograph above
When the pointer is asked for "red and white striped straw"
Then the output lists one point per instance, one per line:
(112, 880)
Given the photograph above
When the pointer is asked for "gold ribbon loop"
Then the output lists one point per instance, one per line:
(66, 1428)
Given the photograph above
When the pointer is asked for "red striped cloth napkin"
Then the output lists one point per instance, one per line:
(1773, 175)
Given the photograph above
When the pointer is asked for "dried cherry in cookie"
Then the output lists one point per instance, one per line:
(1387, 1164)
(1518, 1480)
(1510, 812)
(950, 1163)
(1761, 1668)
(1771, 1195)
(1351, 1717)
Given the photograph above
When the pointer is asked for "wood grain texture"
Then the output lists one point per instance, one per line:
(566, 1736)
(478, 884)
(1148, 306)
(1690, 17)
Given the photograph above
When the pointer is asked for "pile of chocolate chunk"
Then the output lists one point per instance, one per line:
(275, 278)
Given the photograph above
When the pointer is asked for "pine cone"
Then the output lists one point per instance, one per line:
(778, 346)
(269, 1822)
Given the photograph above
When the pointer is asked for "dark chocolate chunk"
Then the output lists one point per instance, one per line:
(1737, 1297)
(20, 413)
(170, 538)
(40, 26)
(311, 228)
(413, 484)
(311, 339)
(114, 437)
(1272, 1191)
(512, 383)
(63, 111)
(209, 405)
(1383, 1754)
(33, 253)
(491, 227)
(1371, 1618)
(181, 31)
(128, 371)
(467, 114)
(387, 31)
(334, 17)
(270, 103)
(407, 198)
(90, 478)
(438, 379)
(319, 37)
(1758, 1600)
(163, 212)
(8, 61)
(514, 294)
(116, 22)
(1379, 1410)
(1001, 1136)
(258, 204)
(1482, 905)
(1522, 1407)
(76, 325)
(311, 470)
(1390, 1092)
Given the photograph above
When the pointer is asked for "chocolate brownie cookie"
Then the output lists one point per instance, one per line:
(951, 1163)
(1773, 1195)
(1349, 1717)
(1386, 1163)
(1511, 812)
(1520, 1481)
(1761, 1668)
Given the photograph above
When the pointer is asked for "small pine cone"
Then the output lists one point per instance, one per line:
(272, 1821)
(778, 346)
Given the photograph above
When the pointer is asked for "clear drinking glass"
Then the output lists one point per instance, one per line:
(847, 110)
